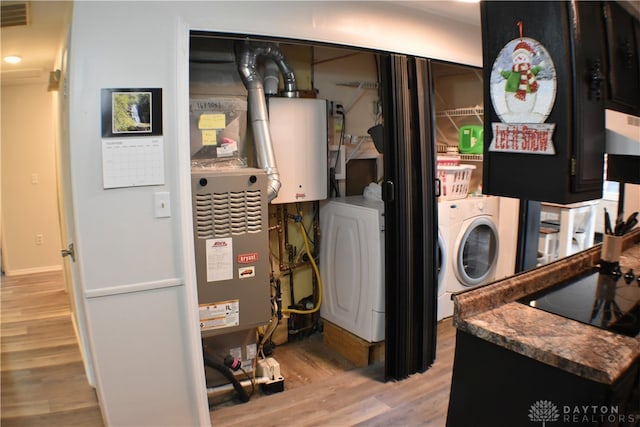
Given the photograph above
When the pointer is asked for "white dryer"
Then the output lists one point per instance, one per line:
(352, 265)
(469, 229)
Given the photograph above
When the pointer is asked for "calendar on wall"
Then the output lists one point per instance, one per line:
(131, 162)
(132, 141)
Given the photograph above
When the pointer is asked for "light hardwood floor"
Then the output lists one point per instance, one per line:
(43, 381)
(318, 395)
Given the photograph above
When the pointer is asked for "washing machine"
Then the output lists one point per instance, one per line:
(469, 230)
(352, 265)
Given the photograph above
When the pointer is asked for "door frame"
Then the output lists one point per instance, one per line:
(409, 193)
(65, 196)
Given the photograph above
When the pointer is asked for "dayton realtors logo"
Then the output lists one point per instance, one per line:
(545, 411)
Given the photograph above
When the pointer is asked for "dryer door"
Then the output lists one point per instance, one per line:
(476, 251)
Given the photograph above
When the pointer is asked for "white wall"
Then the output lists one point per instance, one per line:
(137, 270)
(508, 232)
(29, 205)
(142, 331)
(631, 199)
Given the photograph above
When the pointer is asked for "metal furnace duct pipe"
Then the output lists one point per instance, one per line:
(271, 73)
(247, 58)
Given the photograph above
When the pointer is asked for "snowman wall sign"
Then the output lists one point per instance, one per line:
(523, 91)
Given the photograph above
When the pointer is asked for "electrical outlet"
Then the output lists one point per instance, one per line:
(39, 239)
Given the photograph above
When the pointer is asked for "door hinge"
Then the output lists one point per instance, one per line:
(573, 166)
(70, 251)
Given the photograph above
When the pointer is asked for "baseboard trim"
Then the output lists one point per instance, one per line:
(34, 270)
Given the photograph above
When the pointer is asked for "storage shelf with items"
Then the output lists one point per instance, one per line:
(459, 120)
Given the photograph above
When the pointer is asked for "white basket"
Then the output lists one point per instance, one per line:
(447, 160)
(454, 181)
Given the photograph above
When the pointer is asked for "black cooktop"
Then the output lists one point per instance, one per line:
(603, 300)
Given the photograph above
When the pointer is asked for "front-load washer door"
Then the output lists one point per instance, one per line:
(476, 251)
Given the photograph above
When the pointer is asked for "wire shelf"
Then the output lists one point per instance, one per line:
(362, 85)
(471, 157)
(461, 112)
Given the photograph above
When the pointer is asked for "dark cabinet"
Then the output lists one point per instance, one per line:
(623, 84)
(504, 390)
(572, 37)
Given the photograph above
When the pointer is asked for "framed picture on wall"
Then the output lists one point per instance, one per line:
(131, 112)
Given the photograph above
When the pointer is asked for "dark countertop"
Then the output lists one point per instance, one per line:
(492, 313)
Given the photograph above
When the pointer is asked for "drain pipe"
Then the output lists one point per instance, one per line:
(247, 57)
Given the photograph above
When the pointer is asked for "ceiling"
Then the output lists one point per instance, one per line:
(38, 42)
(466, 11)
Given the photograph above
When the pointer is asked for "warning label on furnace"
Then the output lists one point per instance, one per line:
(223, 314)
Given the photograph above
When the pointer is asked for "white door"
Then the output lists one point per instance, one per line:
(67, 224)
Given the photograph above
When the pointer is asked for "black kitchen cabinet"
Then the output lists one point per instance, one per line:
(623, 84)
(568, 39)
(494, 386)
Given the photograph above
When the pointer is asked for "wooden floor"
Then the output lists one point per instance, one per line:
(43, 380)
(323, 389)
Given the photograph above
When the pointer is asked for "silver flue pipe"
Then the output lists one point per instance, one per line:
(247, 58)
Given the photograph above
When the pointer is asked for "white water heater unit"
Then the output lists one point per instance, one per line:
(299, 136)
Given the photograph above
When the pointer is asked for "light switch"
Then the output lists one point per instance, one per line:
(161, 204)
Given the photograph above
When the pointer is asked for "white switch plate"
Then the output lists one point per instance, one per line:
(161, 204)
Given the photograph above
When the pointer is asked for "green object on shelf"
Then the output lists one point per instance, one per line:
(471, 139)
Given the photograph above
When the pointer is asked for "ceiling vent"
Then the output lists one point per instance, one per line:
(14, 14)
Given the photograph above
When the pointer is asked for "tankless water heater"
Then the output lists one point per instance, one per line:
(231, 235)
(298, 129)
